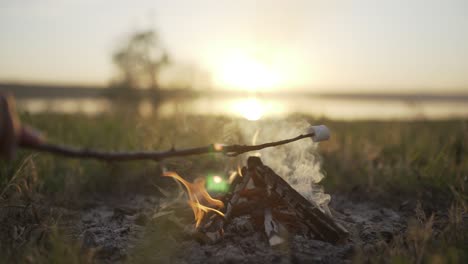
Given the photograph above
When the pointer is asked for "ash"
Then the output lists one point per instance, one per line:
(144, 229)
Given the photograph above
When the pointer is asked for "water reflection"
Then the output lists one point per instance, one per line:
(87, 106)
(252, 108)
(146, 108)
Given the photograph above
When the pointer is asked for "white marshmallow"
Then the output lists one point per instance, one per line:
(321, 133)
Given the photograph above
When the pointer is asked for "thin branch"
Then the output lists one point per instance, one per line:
(234, 150)
(228, 150)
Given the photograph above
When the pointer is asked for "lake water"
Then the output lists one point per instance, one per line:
(254, 108)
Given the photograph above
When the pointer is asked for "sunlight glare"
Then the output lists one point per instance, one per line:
(245, 72)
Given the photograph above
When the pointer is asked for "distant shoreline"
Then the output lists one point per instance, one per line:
(31, 91)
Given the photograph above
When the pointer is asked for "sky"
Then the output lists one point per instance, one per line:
(348, 45)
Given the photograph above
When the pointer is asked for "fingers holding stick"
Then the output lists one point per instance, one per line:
(12, 133)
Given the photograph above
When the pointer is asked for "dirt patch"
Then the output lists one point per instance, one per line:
(147, 228)
(110, 227)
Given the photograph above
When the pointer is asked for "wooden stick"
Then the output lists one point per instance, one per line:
(228, 150)
(14, 134)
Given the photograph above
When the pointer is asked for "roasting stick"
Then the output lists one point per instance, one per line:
(231, 151)
(13, 134)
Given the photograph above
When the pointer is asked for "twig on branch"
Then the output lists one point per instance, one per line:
(228, 150)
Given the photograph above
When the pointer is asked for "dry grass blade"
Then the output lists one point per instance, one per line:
(11, 182)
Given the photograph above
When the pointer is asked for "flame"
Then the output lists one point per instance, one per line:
(232, 176)
(239, 170)
(199, 199)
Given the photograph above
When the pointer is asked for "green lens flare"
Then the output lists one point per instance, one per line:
(216, 183)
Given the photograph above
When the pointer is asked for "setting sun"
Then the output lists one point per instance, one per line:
(241, 71)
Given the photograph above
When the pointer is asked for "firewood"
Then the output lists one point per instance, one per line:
(247, 207)
(272, 203)
(321, 225)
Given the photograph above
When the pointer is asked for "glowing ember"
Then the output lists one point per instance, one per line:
(199, 199)
(218, 147)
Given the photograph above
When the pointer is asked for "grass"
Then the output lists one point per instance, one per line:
(402, 153)
(424, 161)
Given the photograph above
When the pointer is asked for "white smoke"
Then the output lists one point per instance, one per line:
(298, 162)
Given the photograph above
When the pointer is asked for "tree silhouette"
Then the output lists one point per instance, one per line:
(141, 59)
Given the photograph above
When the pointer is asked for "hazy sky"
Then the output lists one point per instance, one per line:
(349, 44)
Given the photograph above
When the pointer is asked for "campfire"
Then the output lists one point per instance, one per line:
(270, 202)
(255, 191)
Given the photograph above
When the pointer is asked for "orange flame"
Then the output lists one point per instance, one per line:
(239, 170)
(199, 199)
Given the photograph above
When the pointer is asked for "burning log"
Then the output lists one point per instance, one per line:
(280, 207)
(283, 203)
(320, 224)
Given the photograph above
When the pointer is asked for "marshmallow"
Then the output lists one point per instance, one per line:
(321, 133)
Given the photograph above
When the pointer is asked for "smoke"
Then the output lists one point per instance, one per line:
(298, 162)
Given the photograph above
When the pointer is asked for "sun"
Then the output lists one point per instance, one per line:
(241, 71)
